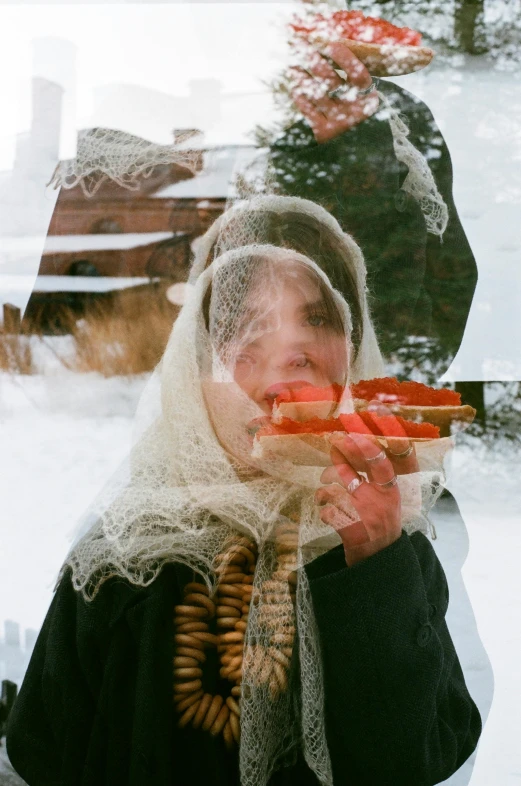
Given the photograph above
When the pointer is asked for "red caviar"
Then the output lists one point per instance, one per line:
(360, 423)
(388, 389)
(357, 27)
(385, 389)
(313, 426)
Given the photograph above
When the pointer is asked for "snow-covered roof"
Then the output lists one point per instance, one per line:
(58, 244)
(11, 284)
(214, 181)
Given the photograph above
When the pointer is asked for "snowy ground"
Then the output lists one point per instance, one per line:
(62, 437)
(8, 776)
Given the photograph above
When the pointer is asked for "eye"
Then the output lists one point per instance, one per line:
(316, 319)
(244, 358)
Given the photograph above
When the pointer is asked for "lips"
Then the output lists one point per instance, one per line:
(271, 393)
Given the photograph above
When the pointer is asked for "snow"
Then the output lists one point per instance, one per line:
(70, 283)
(14, 288)
(20, 257)
(63, 435)
(7, 774)
(220, 166)
(66, 244)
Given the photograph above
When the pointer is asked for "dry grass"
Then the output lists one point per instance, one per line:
(128, 337)
(16, 355)
(124, 335)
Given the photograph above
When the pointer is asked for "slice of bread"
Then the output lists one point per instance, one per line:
(390, 59)
(313, 450)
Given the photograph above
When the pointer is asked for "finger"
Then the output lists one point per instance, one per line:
(342, 56)
(355, 531)
(330, 475)
(350, 447)
(378, 407)
(338, 478)
(321, 68)
(327, 116)
(314, 114)
(348, 462)
(380, 471)
(335, 494)
(341, 474)
(347, 449)
(315, 81)
(303, 83)
(345, 472)
(357, 459)
(404, 464)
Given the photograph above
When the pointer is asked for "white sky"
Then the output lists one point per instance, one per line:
(160, 47)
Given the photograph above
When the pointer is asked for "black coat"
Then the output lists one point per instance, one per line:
(95, 707)
(418, 284)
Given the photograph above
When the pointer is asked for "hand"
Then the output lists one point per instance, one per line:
(400, 451)
(379, 508)
(311, 84)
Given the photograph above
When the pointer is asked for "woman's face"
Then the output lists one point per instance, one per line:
(288, 338)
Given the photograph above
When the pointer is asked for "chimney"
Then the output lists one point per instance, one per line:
(12, 634)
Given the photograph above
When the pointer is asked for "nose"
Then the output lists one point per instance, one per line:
(286, 363)
(287, 357)
(288, 371)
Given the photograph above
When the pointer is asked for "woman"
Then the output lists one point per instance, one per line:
(372, 154)
(313, 613)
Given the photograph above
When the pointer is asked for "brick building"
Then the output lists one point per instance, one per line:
(119, 233)
(113, 231)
